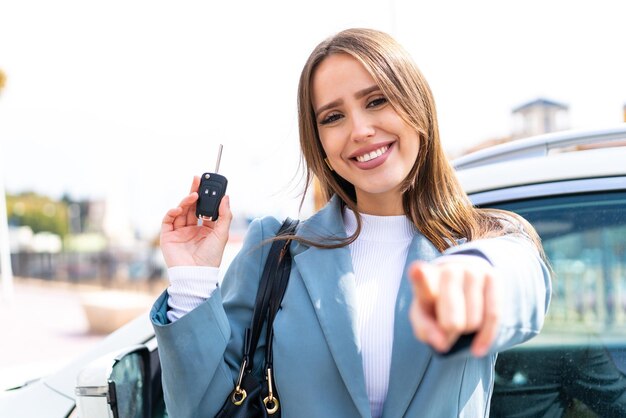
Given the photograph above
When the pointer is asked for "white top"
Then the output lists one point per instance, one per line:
(189, 287)
(378, 257)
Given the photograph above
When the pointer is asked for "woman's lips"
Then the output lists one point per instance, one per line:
(373, 162)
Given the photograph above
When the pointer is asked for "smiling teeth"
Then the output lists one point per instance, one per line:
(370, 156)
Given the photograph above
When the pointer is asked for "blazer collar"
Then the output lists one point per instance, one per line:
(329, 278)
(324, 224)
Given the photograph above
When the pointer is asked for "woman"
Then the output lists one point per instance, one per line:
(392, 271)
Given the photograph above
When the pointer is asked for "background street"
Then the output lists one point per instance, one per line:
(44, 327)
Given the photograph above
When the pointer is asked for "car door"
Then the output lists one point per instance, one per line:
(576, 367)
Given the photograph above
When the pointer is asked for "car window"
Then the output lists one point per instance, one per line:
(576, 367)
(128, 375)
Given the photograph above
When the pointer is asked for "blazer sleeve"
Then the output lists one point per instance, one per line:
(201, 352)
(524, 285)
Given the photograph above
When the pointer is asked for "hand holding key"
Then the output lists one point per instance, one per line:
(192, 234)
(187, 242)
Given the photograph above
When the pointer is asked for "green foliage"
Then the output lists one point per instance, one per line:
(38, 212)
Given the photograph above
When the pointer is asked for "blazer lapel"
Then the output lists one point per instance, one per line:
(410, 358)
(329, 279)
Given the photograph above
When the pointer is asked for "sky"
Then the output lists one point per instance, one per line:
(128, 100)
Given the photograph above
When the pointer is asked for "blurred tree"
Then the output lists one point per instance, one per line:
(38, 212)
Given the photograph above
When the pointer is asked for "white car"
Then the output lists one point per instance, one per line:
(570, 185)
(56, 395)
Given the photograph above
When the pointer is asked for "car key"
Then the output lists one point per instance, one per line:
(210, 193)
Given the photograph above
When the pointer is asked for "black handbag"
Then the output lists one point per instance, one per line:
(254, 397)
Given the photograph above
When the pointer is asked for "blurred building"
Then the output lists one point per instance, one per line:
(539, 116)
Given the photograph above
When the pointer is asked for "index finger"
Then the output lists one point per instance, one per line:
(195, 183)
(190, 212)
(425, 279)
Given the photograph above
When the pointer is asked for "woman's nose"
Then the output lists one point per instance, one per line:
(362, 127)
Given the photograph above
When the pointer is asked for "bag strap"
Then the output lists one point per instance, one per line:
(270, 293)
(279, 286)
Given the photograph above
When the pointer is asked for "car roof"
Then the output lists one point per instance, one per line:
(607, 162)
(543, 145)
(540, 160)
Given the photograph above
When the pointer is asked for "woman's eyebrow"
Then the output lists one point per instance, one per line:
(359, 94)
(328, 106)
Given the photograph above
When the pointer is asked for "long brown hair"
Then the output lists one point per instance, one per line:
(432, 196)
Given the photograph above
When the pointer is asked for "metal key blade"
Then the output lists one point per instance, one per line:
(219, 158)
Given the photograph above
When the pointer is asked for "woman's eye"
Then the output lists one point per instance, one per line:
(330, 118)
(379, 101)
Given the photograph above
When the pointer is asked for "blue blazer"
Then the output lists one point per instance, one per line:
(317, 362)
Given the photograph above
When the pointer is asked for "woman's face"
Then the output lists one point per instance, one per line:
(365, 140)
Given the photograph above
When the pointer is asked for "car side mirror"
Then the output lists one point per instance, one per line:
(116, 385)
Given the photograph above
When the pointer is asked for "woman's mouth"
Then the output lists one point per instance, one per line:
(373, 154)
(374, 158)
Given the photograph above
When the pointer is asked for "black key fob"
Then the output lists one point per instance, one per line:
(210, 193)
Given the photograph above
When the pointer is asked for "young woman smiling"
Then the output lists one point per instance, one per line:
(394, 271)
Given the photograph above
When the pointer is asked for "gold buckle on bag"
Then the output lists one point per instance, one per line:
(239, 394)
(270, 399)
